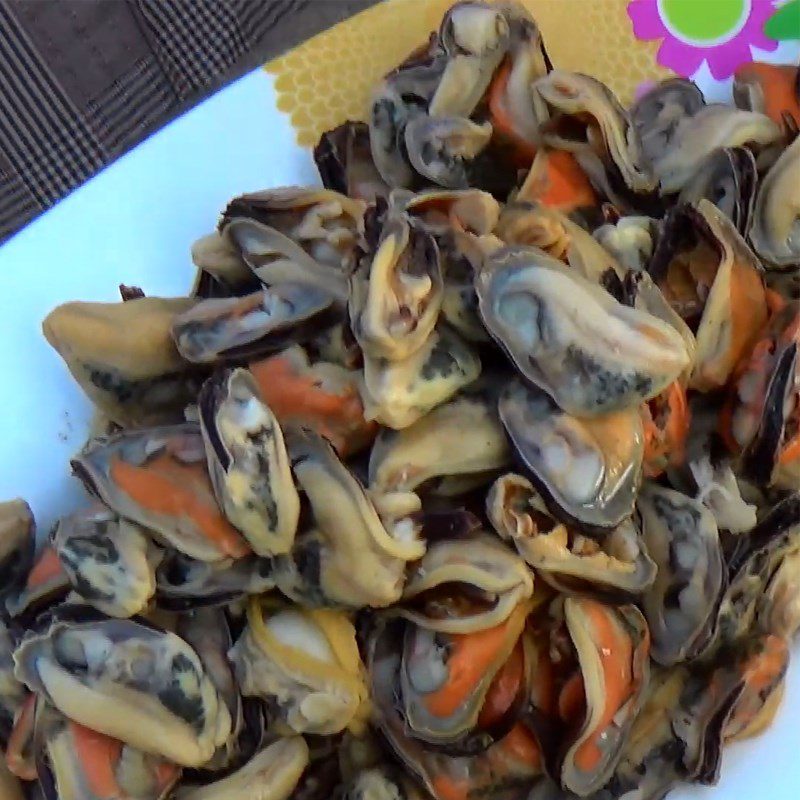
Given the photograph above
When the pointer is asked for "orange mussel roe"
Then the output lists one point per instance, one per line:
(172, 488)
(46, 568)
(762, 674)
(519, 749)
(616, 655)
(666, 421)
(99, 756)
(20, 758)
(504, 689)
(760, 362)
(555, 179)
(299, 398)
(617, 658)
(516, 754)
(615, 649)
(749, 312)
(502, 125)
(778, 83)
(471, 655)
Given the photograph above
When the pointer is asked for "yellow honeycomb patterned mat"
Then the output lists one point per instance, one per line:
(328, 79)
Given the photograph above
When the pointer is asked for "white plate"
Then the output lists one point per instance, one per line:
(134, 223)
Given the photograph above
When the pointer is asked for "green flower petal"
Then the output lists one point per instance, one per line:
(785, 22)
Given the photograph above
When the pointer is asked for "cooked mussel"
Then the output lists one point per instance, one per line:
(241, 328)
(131, 682)
(348, 529)
(771, 89)
(248, 463)
(728, 178)
(516, 111)
(396, 293)
(404, 94)
(272, 774)
(77, 763)
(208, 632)
(475, 36)
(568, 336)
(630, 240)
(110, 561)
(318, 395)
(682, 538)
(588, 120)
(775, 233)
(615, 566)
(465, 584)
(753, 563)
(158, 478)
(650, 764)
(759, 422)
(305, 664)
(123, 357)
(12, 692)
(46, 583)
(709, 128)
(460, 438)
(221, 266)
(613, 649)
(345, 163)
(762, 662)
(713, 280)
(537, 225)
(184, 583)
(658, 114)
(398, 393)
(296, 235)
(462, 692)
(17, 546)
(588, 470)
(723, 700)
(441, 149)
(504, 771)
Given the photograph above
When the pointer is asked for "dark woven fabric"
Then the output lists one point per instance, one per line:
(82, 81)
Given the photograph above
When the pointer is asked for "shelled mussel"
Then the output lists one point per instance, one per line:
(474, 475)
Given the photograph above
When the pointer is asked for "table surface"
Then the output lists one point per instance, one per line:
(134, 223)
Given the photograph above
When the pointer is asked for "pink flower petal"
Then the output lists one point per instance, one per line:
(679, 57)
(724, 60)
(753, 31)
(763, 42)
(646, 21)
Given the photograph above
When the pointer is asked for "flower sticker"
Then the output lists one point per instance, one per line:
(719, 32)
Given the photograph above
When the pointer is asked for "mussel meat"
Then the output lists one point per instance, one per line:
(248, 463)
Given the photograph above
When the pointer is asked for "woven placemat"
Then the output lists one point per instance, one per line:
(83, 81)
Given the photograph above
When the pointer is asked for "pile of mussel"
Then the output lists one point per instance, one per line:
(472, 475)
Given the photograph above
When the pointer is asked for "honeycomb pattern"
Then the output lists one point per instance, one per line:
(328, 79)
